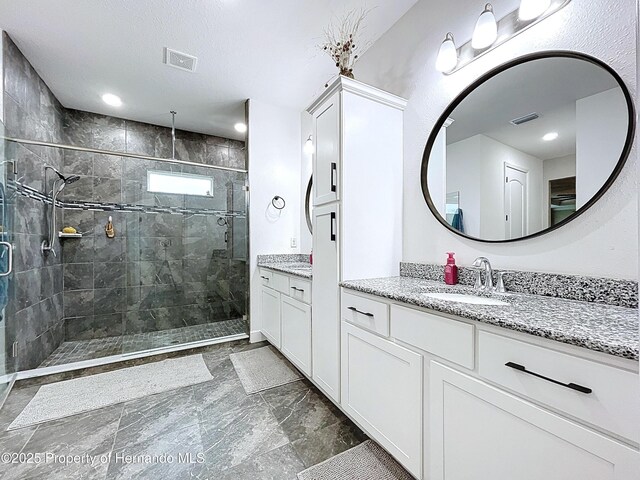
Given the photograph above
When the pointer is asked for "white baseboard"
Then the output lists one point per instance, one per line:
(256, 336)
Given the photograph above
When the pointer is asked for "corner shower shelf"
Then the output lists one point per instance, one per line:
(69, 235)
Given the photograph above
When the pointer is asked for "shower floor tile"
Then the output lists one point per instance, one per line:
(80, 350)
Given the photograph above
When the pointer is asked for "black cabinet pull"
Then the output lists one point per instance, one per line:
(334, 169)
(266, 278)
(298, 289)
(572, 386)
(354, 309)
(333, 221)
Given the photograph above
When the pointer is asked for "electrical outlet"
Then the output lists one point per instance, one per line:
(294, 242)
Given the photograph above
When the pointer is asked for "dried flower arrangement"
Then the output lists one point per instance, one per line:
(342, 43)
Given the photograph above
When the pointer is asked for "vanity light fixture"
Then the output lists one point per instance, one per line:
(530, 9)
(448, 55)
(308, 145)
(240, 127)
(490, 32)
(486, 31)
(549, 137)
(112, 100)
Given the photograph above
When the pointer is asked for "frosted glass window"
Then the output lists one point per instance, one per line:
(180, 183)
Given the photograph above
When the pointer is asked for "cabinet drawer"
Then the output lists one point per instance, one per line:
(366, 313)
(300, 289)
(266, 277)
(441, 336)
(275, 280)
(611, 405)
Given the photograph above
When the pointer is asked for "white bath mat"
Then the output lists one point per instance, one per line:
(367, 461)
(263, 368)
(70, 397)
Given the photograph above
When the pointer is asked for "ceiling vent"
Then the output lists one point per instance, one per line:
(180, 60)
(525, 119)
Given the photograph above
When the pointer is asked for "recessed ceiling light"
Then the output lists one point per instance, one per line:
(550, 136)
(111, 99)
(240, 127)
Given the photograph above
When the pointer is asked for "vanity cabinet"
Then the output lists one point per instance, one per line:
(357, 179)
(437, 392)
(270, 306)
(286, 316)
(296, 332)
(382, 391)
(479, 431)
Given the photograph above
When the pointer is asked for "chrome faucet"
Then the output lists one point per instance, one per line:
(480, 264)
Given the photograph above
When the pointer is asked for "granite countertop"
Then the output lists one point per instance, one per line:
(603, 328)
(299, 269)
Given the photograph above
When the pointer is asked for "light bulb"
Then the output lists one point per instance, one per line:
(111, 99)
(308, 146)
(240, 127)
(530, 9)
(486, 30)
(448, 55)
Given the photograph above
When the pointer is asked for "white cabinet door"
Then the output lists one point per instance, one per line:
(325, 304)
(326, 159)
(270, 308)
(481, 432)
(296, 332)
(382, 390)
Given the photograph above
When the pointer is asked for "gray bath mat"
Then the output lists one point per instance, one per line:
(70, 397)
(367, 461)
(263, 368)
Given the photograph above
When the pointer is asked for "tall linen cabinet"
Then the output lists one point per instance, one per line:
(357, 214)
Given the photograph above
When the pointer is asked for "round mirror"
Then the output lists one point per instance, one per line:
(308, 205)
(528, 147)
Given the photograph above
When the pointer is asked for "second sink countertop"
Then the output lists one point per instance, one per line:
(596, 326)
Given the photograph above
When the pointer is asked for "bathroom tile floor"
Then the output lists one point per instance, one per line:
(77, 351)
(225, 433)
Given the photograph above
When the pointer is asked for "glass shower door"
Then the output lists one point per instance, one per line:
(6, 260)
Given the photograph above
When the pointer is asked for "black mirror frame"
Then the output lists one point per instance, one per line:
(486, 77)
(307, 205)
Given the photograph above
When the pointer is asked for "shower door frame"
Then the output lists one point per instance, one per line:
(44, 371)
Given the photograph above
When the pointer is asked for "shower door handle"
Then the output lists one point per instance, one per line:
(10, 262)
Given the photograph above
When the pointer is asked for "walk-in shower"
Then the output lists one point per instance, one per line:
(58, 185)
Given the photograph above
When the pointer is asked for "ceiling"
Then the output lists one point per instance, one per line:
(548, 87)
(265, 50)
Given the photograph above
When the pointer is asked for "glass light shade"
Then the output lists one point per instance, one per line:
(447, 56)
(530, 9)
(308, 146)
(486, 30)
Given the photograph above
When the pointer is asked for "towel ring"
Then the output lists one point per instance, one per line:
(278, 202)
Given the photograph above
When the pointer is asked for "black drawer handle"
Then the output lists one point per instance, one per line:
(333, 221)
(354, 309)
(334, 169)
(266, 278)
(572, 386)
(298, 289)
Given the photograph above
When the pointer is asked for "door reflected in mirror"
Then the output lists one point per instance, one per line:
(528, 147)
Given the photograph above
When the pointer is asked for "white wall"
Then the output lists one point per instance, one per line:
(306, 167)
(598, 117)
(553, 169)
(475, 167)
(437, 174)
(463, 175)
(274, 169)
(402, 62)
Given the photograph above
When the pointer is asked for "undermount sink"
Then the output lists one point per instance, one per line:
(464, 298)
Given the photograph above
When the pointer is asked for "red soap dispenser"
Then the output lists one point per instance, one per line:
(451, 270)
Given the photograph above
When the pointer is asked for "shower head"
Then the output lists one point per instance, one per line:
(69, 179)
(72, 178)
